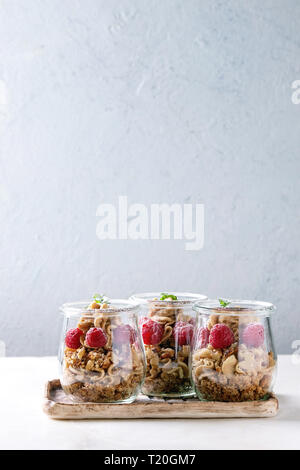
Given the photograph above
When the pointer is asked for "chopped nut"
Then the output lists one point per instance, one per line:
(229, 364)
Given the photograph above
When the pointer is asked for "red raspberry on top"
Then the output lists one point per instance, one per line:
(221, 336)
(254, 335)
(183, 333)
(95, 338)
(73, 338)
(152, 331)
(202, 337)
(124, 334)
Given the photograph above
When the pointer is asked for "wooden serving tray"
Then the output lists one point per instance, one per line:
(58, 405)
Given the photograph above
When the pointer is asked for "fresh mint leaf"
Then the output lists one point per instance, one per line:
(164, 296)
(224, 303)
(100, 299)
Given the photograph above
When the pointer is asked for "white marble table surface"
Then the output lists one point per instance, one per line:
(23, 425)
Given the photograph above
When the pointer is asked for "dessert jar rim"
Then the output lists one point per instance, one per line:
(235, 307)
(189, 298)
(116, 306)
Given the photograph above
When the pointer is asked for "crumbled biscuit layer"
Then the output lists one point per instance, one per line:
(92, 389)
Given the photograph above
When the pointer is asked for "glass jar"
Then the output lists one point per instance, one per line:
(233, 356)
(101, 354)
(167, 331)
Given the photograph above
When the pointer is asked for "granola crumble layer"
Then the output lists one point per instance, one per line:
(215, 388)
(170, 386)
(91, 388)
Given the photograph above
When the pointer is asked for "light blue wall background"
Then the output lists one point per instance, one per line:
(162, 101)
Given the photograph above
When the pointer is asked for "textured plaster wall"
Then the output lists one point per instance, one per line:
(162, 101)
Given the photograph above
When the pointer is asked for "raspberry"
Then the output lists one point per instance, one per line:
(95, 338)
(221, 336)
(152, 332)
(254, 335)
(73, 338)
(202, 337)
(124, 334)
(183, 333)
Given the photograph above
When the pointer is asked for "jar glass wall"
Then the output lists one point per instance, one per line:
(167, 328)
(233, 356)
(101, 354)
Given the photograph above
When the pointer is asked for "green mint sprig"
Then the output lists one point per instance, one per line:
(224, 303)
(100, 299)
(164, 296)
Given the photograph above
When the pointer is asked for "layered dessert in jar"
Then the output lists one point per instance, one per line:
(167, 326)
(233, 356)
(102, 357)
